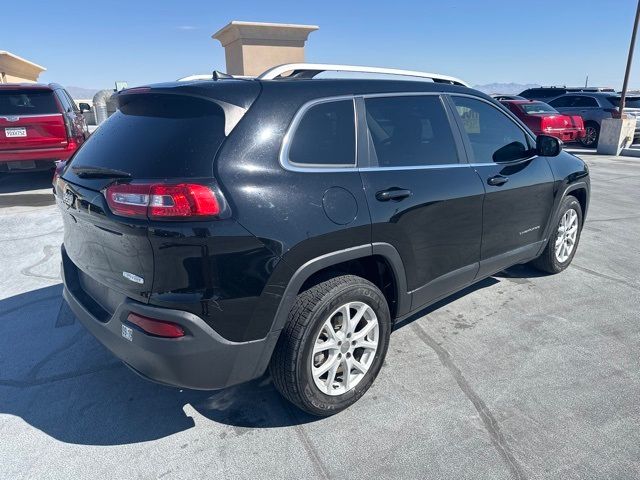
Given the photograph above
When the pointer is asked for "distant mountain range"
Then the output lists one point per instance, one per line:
(505, 88)
(81, 93)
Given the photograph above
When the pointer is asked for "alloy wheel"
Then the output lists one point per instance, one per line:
(567, 235)
(345, 348)
(590, 136)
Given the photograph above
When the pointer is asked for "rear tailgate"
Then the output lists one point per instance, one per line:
(154, 138)
(107, 250)
(30, 119)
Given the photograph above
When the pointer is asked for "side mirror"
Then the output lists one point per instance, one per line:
(548, 146)
(84, 107)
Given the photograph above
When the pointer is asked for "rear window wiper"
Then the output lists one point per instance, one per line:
(98, 172)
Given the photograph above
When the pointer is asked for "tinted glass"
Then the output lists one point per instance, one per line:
(565, 101)
(74, 107)
(410, 131)
(27, 102)
(158, 136)
(537, 107)
(66, 104)
(543, 92)
(629, 102)
(493, 136)
(325, 136)
(584, 102)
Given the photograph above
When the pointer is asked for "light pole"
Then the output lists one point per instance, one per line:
(629, 60)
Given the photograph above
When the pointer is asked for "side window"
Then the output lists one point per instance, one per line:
(66, 106)
(494, 137)
(409, 131)
(564, 101)
(583, 102)
(71, 101)
(326, 136)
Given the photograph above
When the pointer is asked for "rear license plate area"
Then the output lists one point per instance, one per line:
(23, 165)
(15, 132)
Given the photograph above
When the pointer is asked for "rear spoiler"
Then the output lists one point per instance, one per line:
(232, 113)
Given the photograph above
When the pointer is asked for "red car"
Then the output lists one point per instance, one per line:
(544, 119)
(39, 125)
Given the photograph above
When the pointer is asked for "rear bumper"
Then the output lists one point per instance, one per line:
(201, 360)
(566, 134)
(51, 154)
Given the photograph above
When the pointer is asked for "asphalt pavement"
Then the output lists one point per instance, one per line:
(522, 376)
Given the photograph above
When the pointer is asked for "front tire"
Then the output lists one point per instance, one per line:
(563, 242)
(333, 345)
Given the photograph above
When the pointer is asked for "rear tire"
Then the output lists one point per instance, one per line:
(592, 134)
(563, 242)
(341, 325)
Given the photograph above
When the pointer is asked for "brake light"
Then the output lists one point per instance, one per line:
(162, 201)
(159, 328)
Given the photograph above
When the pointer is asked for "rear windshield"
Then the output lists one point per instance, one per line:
(27, 102)
(157, 136)
(629, 102)
(537, 107)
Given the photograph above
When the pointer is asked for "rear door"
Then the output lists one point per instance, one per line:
(425, 200)
(30, 118)
(518, 184)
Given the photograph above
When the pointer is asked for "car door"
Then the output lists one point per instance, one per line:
(424, 199)
(518, 183)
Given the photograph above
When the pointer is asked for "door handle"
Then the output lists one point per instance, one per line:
(497, 180)
(393, 194)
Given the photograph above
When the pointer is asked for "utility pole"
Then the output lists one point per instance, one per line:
(629, 60)
(586, 81)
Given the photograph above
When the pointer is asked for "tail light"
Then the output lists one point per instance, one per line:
(162, 201)
(159, 328)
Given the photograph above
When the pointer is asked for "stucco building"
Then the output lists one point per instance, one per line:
(15, 69)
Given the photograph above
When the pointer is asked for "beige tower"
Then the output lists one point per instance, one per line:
(252, 47)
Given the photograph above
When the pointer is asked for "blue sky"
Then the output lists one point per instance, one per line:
(91, 44)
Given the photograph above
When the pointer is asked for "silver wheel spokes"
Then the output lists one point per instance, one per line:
(345, 348)
(567, 234)
(590, 135)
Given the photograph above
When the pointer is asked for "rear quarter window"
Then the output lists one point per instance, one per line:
(158, 136)
(27, 102)
(325, 136)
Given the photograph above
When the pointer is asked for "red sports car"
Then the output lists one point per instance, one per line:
(544, 119)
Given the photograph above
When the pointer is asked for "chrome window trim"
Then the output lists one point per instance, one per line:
(287, 164)
(419, 167)
(32, 115)
(399, 94)
(462, 161)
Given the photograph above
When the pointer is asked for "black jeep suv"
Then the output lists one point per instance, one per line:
(217, 229)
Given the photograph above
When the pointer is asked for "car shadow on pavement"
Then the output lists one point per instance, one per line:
(59, 379)
(25, 181)
(487, 282)
(62, 381)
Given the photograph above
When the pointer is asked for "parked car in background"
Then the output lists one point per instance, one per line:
(500, 97)
(544, 119)
(593, 108)
(547, 93)
(39, 125)
(217, 228)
